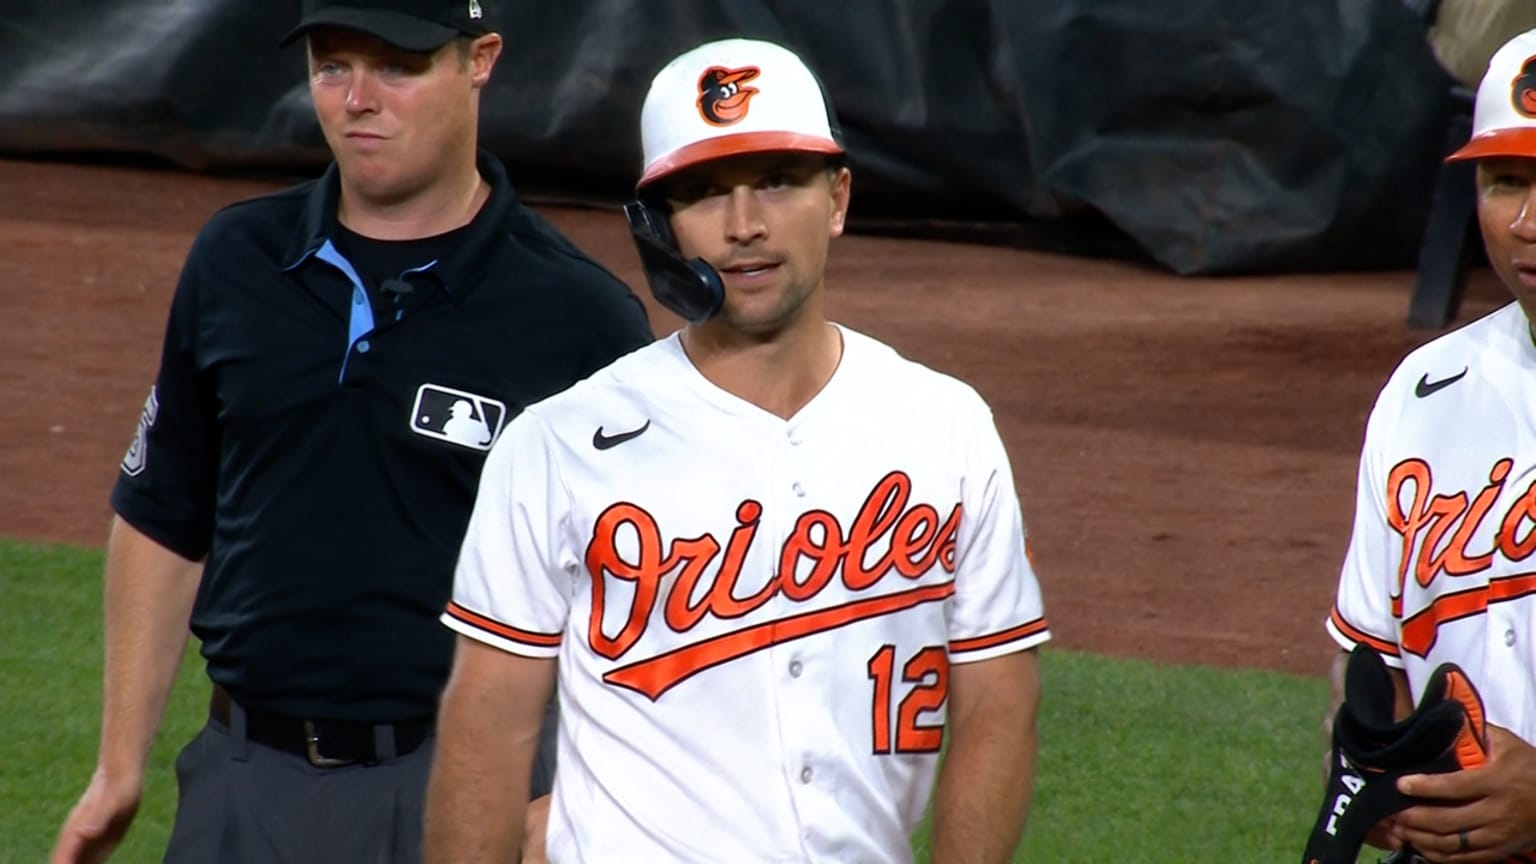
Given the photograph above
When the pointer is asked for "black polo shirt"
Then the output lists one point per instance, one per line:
(325, 463)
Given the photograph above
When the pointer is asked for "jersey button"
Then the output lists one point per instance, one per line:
(795, 668)
(799, 490)
(794, 438)
(1509, 638)
(806, 774)
(363, 346)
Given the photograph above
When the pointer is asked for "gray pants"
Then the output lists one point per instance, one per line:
(240, 801)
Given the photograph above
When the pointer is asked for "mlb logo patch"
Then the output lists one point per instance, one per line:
(457, 416)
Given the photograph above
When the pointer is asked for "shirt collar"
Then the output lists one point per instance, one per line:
(457, 273)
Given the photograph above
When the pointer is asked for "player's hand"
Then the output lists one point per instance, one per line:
(1383, 835)
(535, 824)
(98, 820)
(1493, 805)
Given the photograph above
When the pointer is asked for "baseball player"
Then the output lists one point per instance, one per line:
(1439, 565)
(775, 565)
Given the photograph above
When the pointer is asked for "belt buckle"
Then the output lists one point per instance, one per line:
(312, 749)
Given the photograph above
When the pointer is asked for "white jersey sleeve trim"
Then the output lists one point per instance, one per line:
(995, 583)
(512, 582)
(497, 634)
(1020, 638)
(1348, 636)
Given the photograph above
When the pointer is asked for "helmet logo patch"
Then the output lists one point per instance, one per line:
(723, 95)
(1523, 91)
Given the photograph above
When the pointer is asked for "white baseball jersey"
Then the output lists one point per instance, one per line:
(1439, 566)
(754, 617)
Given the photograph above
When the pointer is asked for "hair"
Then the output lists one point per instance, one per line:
(463, 46)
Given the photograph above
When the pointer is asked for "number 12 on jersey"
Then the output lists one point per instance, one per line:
(928, 672)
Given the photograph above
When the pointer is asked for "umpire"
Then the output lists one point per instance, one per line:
(338, 360)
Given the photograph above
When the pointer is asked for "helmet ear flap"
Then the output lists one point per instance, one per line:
(691, 289)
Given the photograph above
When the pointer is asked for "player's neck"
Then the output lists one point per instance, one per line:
(779, 375)
(442, 206)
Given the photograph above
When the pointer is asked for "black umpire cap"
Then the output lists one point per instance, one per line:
(415, 25)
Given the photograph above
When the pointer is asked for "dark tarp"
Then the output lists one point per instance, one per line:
(1212, 135)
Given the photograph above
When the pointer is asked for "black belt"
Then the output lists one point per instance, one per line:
(325, 743)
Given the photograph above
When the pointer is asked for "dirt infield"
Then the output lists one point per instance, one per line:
(1185, 448)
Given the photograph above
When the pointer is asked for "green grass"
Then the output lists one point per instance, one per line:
(1147, 763)
(1138, 762)
(50, 705)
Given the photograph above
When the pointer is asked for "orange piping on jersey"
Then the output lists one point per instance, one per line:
(527, 637)
(1420, 632)
(917, 541)
(1355, 634)
(656, 675)
(976, 643)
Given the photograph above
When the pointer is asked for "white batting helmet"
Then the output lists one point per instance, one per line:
(730, 97)
(1504, 117)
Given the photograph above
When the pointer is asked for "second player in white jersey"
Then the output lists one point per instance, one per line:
(1440, 564)
(794, 590)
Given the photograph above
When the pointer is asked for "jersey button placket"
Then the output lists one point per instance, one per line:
(800, 692)
(792, 434)
(1501, 629)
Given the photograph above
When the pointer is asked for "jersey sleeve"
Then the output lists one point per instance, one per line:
(166, 486)
(997, 608)
(1362, 609)
(512, 585)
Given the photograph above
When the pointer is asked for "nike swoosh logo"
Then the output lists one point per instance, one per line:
(603, 442)
(1426, 387)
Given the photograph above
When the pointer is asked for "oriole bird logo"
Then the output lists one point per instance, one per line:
(723, 98)
(1525, 89)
